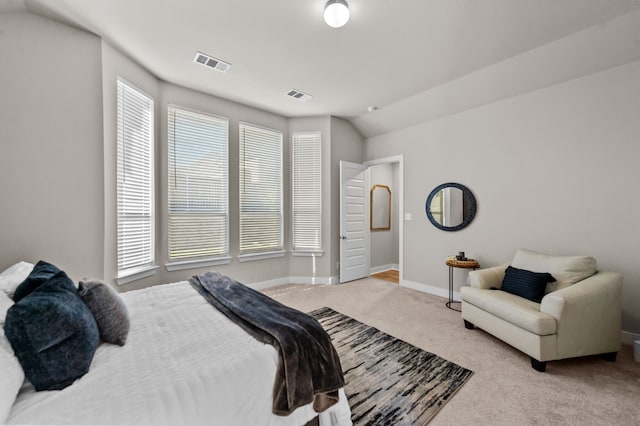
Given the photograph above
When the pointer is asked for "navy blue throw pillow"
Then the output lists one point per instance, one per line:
(527, 284)
(38, 276)
(53, 334)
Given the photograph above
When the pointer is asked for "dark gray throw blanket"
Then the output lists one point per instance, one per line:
(308, 368)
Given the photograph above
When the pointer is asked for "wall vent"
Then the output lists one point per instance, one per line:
(211, 62)
(301, 96)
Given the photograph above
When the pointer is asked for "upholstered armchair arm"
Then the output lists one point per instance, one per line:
(588, 314)
(488, 277)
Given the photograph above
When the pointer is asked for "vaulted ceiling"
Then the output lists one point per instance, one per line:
(389, 53)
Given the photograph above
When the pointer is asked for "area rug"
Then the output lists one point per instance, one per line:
(389, 381)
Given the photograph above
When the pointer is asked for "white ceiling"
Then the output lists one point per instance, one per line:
(390, 50)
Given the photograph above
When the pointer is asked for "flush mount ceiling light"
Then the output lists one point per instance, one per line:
(336, 13)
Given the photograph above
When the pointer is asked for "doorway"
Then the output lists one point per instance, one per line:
(385, 241)
(397, 166)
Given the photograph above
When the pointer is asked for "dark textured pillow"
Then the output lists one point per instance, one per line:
(40, 274)
(108, 309)
(53, 334)
(527, 284)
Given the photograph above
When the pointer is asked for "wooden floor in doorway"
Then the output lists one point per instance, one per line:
(391, 275)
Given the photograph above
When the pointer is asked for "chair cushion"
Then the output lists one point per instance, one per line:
(527, 284)
(509, 307)
(567, 270)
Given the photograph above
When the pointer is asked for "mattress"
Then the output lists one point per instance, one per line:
(184, 363)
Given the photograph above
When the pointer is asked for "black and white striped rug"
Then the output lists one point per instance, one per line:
(389, 381)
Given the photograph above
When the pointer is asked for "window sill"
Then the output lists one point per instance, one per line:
(199, 263)
(307, 253)
(136, 274)
(260, 256)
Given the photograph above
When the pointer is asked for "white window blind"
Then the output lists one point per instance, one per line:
(261, 221)
(306, 188)
(135, 180)
(198, 185)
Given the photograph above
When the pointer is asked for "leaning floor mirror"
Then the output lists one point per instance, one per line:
(380, 208)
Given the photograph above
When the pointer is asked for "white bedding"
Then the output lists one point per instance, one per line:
(184, 363)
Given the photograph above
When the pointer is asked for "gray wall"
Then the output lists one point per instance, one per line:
(395, 214)
(347, 145)
(384, 243)
(165, 93)
(553, 170)
(249, 272)
(317, 266)
(114, 65)
(59, 174)
(51, 165)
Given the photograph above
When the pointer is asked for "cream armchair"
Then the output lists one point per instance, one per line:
(579, 315)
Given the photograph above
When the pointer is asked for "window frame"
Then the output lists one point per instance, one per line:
(148, 267)
(300, 250)
(173, 263)
(250, 255)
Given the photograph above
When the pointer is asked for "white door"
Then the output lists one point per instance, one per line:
(354, 221)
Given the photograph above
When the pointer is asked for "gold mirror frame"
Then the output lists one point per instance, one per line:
(379, 216)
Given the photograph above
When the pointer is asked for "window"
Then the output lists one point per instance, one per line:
(135, 202)
(306, 189)
(261, 221)
(198, 218)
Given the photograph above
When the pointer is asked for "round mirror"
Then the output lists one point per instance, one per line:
(451, 206)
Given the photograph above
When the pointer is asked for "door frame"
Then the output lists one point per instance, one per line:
(400, 160)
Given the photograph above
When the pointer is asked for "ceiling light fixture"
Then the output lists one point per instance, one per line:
(336, 13)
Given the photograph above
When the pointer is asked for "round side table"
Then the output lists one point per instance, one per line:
(454, 263)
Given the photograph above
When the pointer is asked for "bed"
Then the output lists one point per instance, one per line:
(184, 362)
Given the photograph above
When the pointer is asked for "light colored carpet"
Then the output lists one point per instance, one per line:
(504, 389)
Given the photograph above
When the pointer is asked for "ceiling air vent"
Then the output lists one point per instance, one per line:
(301, 96)
(211, 62)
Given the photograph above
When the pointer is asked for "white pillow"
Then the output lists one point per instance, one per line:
(12, 377)
(5, 304)
(13, 276)
(566, 270)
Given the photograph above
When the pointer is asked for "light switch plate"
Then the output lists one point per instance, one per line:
(408, 216)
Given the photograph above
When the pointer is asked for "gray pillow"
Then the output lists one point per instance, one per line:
(108, 309)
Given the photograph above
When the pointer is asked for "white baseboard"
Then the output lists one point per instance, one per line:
(378, 269)
(628, 338)
(261, 285)
(426, 288)
(313, 280)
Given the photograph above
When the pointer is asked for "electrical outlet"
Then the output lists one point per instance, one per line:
(408, 216)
